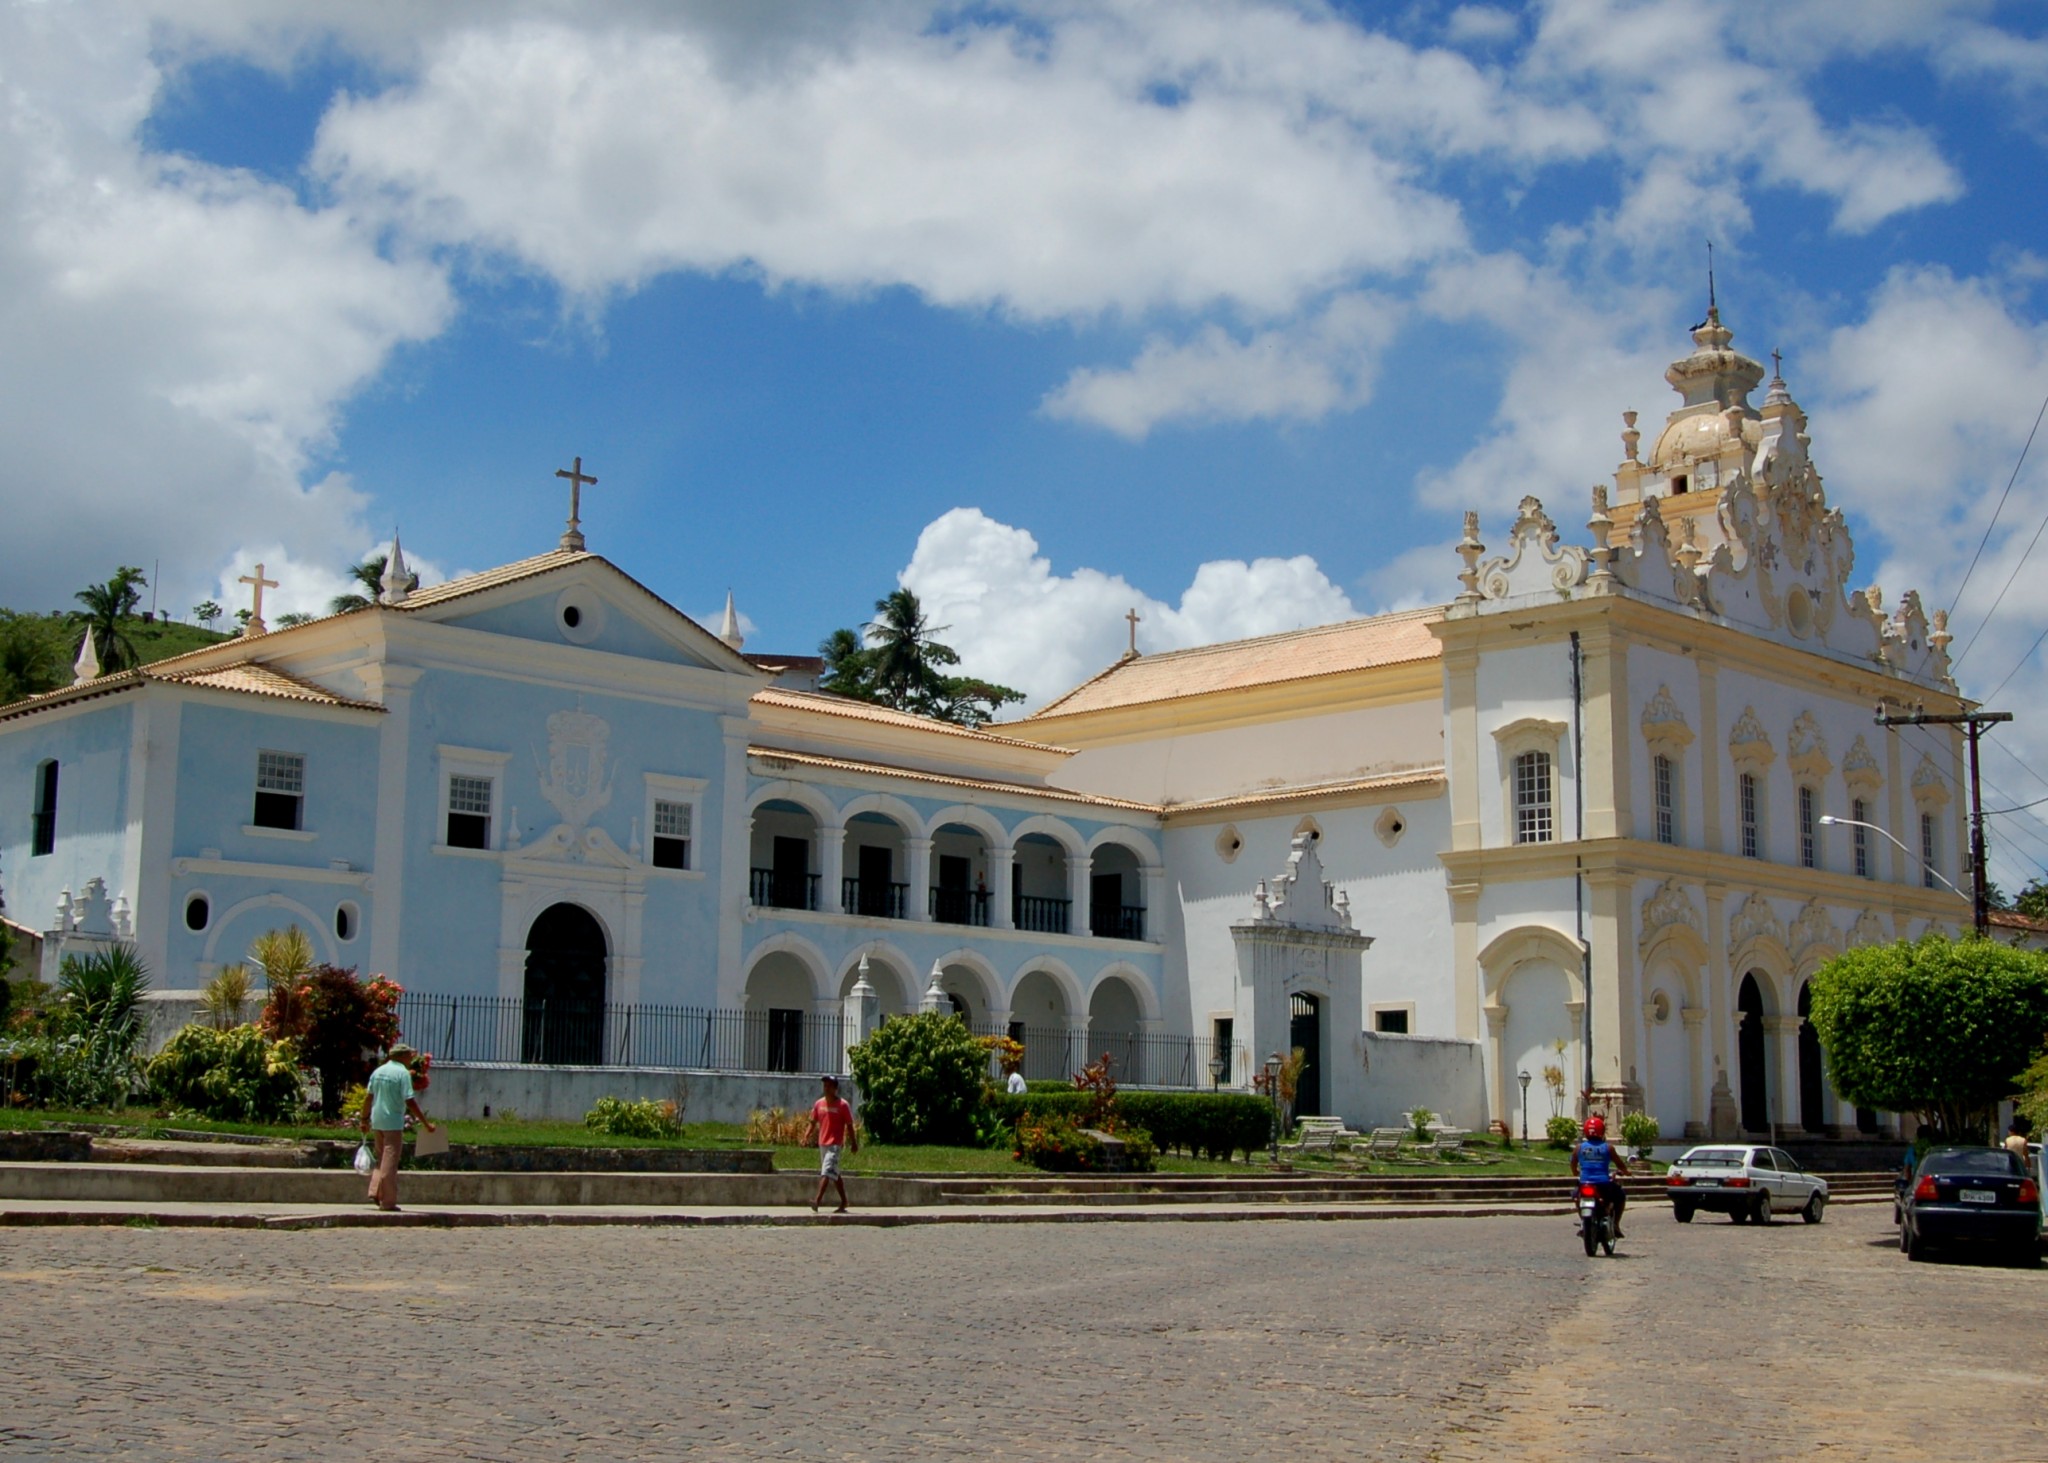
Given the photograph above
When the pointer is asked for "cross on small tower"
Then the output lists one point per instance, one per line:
(257, 584)
(572, 537)
(1134, 617)
(1777, 363)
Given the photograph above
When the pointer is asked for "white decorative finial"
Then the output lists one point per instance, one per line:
(87, 666)
(397, 581)
(935, 1002)
(729, 626)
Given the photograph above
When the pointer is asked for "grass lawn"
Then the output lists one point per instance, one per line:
(510, 1132)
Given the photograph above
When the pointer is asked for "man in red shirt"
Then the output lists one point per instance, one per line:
(831, 1129)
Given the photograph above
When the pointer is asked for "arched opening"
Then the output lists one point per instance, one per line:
(1539, 1037)
(1813, 1089)
(1116, 894)
(566, 953)
(892, 987)
(960, 876)
(969, 994)
(1039, 1019)
(1305, 1034)
(1113, 1028)
(1752, 1057)
(1039, 900)
(1670, 1084)
(874, 884)
(778, 1003)
(782, 868)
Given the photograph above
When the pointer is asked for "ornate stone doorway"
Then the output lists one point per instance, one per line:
(1752, 1057)
(566, 955)
(1305, 1030)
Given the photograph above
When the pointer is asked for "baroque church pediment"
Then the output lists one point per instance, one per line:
(1749, 745)
(1859, 768)
(1671, 904)
(1813, 929)
(1664, 724)
(1536, 563)
(1754, 919)
(1807, 747)
(1869, 929)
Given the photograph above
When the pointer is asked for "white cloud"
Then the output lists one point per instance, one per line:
(1016, 622)
(305, 586)
(1482, 24)
(180, 338)
(1297, 374)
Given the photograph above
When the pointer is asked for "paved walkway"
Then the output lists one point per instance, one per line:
(1429, 1339)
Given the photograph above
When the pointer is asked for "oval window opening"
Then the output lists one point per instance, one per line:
(572, 617)
(345, 922)
(197, 912)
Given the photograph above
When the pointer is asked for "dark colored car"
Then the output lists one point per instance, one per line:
(1971, 1196)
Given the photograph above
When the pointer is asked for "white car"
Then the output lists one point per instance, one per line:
(1745, 1182)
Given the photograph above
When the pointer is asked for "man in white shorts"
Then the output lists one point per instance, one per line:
(831, 1129)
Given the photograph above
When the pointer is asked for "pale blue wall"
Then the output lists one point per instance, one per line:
(534, 619)
(91, 750)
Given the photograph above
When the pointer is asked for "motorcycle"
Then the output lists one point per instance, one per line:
(1596, 1219)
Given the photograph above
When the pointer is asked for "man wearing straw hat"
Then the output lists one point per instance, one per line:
(386, 1102)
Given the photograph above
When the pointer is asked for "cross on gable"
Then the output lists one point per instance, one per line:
(1134, 617)
(257, 584)
(572, 536)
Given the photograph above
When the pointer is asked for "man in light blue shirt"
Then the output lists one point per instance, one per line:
(386, 1102)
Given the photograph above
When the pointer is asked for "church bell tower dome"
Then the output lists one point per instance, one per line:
(1714, 383)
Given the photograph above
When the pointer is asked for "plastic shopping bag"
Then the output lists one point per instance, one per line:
(365, 1159)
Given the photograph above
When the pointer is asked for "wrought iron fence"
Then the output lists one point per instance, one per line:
(507, 1029)
(872, 897)
(780, 889)
(960, 906)
(1117, 921)
(1040, 916)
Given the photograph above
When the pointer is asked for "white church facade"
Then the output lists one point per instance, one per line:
(1572, 818)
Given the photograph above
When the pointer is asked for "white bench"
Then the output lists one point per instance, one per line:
(1385, 1142)
(1319, 1135)
(1447, 1140)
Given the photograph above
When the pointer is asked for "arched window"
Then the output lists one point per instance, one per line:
(1535, 820)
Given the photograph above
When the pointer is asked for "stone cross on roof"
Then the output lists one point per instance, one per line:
(1134, 617)
(572, 536)
(257, 584)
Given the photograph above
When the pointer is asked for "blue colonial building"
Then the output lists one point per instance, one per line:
(597, 829)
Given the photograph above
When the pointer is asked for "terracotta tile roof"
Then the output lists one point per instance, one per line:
(978, 784)
(1409, 777)
(492, 578)
(262, 680)
(827, 704)
(2012, 919)
(1292, 655)
(245, 676)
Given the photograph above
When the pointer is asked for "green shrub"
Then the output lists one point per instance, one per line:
(920, 1080)
(1639, 1130)
(1141, 1155)
(236, 1076)
(78, 1051)
(1211, 1124)
(1419, 1120)
(643, 1119)
(1056, 1143)
(1561, 1131)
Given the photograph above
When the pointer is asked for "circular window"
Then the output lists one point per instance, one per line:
(579, 614)
(346, 919)
(1799, 612)
(1229, 845)
(1390, 826)
(198, 911)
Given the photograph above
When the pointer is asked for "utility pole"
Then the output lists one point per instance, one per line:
(1973, 724)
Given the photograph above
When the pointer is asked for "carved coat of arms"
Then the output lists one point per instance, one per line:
(575, 779)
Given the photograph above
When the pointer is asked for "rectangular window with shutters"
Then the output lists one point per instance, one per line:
(1665, 776)
(1751, 815)
(1809, 833)
(280, 790)
(1533, 814)
(1859, 811)
(1927, 850)
(469, 812)
(671, 847)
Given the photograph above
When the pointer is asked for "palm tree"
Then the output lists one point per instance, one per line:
(296, 617)
(206, 612)
(849, 666)
(107, 607)
(906, 657)
(369, 577)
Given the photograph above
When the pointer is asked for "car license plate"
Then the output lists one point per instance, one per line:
(1708, 1183)
(1977, 1196)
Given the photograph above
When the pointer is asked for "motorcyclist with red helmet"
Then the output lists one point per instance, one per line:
(1595, 1162)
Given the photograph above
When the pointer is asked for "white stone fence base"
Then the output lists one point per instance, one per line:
(494, 1089)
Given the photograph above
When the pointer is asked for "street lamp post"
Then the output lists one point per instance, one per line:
(1523, 1078)
(1219, 1066)
(1829, 820)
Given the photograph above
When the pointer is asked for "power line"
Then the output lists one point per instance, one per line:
(1984, 623)
(2024, 449)
(2020, 666)
(1996, 812)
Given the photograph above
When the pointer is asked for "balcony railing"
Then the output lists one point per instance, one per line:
(1117, 921)
(960, 906)
(1137, 1059)
(1040, 916)
(873, 898)
(507, 1029)
(778, 889)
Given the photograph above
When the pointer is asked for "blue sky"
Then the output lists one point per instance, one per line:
(1226, 310)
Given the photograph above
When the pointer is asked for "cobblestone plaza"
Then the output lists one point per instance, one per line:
(1439, 1339)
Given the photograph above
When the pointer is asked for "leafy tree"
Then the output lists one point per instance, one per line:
(108, 608)
(2034, 1091)
(29, 661)
(206, 612)
(296, 617)
(920, 1079)
(337, 1022)
(1935, 1027)
(897, 660)
(2033, 900)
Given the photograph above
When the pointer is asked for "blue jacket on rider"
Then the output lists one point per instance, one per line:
(1596, 1162)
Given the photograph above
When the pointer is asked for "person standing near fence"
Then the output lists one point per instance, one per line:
(387, 1099)
(831, 1129)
